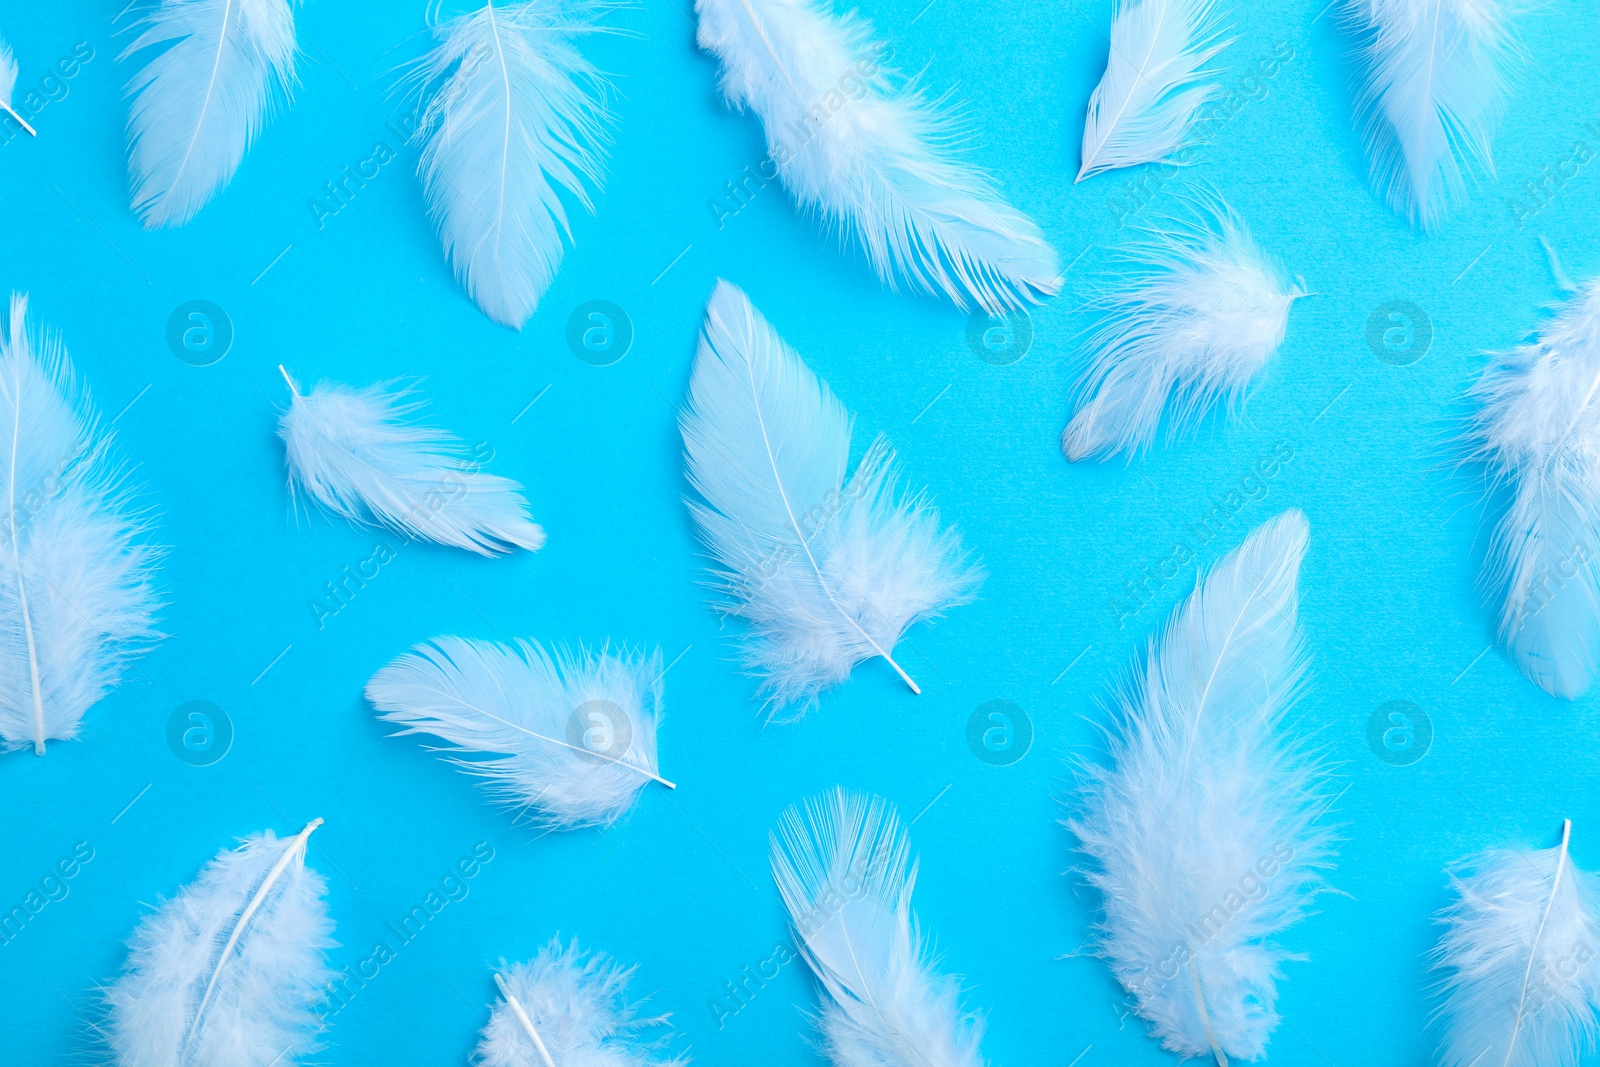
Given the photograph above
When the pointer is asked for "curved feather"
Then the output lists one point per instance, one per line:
(1538, 432)
(516, 112)
(1521, 967)
(870, 157)
(1195, 315)
(1433, 88)
(844, 869)
(77, 603)
(575, 735)
(567, 1008)
(8, 82)
(228, 973)
(827, 573)
(354, 452)
(200, 101)
(1199, 831)
(1145, 106)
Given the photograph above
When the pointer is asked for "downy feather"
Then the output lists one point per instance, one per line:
(844, 868)
(575, 736)
(1521, 973)
(219, 70)
(77, 603)
(1145, 106)
(1195, 314)
(567, 1008)
(229, 972)
(8, 83)
(1538, 433)
(1199, 831)
(516, 112)
(871, 157)
(354, 452)
(1433, 88)
(827, 573)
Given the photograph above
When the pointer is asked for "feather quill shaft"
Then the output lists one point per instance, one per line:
(1199, 830)
(828, 572)
(8, 83)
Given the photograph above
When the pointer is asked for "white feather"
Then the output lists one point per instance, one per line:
(827, 573)
(1200, 832)
(1521, 968)
(516, 112)
(1433, 87)
(356, 454)
(576, 735)
(1145, 106)
(76, 599)
(8, 83)
(229, 972)
(220, 68)
(845, 871)
(871, 157)
(567, 1008)
(1194, 316)
(1538, 432)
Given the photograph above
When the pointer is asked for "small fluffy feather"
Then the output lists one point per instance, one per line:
(1199, 831)
(211, 982)
(871, 157)
(1195, 315)
(1538, 433)
(1521, 971)
(1145, 106)
(845, 871)
(218, 71)
(827, 573)
(356, 454)
(556, 722)
(516, 112)
(578, 1006)
(1433, 88)
(77, 602)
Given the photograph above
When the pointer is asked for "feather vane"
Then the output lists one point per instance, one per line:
(8, 84)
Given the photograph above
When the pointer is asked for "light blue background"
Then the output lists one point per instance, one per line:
(681, 888)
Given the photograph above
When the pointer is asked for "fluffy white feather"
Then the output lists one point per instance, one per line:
(567, 1008)
(1538, 433)
(8, 83)
(1433, 87)
(516, 112)
(1193, 317)
(1145, 106)
(1199, 832)
(575, 735)
(1521, 967)
(219, 69)
(76, 599)
(356, 454)
(826, 572)
(870, 156)
(844, 868)
(229, 972)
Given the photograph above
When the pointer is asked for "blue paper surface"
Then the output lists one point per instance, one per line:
(1084, 564)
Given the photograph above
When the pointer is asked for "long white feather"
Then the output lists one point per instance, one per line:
(77, 603)
(1145, 106)
(516, 111)
(1538, 432)
(220, 69)
(826, 572)
(871, 157)
(1521, 960)
(567, 1008)
(575, 735)
(1433, 88)
(844, 868)
(355, 453)
(229, 972)
(1195, 314)
(8, 83)
(1200, 831)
